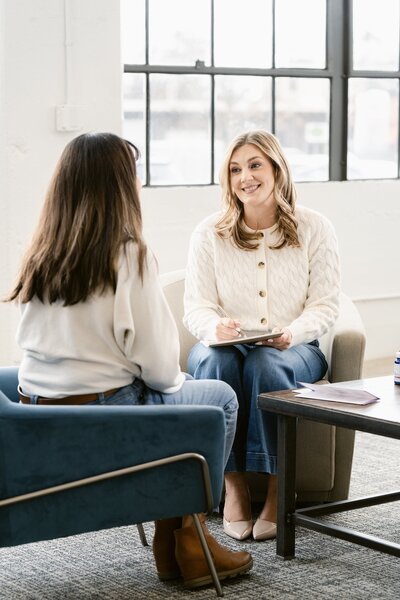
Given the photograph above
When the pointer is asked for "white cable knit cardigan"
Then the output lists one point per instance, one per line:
(297, 288)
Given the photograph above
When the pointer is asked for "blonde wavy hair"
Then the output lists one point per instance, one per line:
(231, 224)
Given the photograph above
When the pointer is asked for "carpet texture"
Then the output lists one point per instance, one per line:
(112, 565)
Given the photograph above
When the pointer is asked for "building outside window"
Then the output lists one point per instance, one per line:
(323, 75)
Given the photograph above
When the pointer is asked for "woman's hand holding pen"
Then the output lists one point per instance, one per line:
(227, 329)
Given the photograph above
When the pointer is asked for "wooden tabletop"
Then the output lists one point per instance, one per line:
(381, 417)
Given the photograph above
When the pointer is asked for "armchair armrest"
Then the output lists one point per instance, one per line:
(9, 382)
(348, 344)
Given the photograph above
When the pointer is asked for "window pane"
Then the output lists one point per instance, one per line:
(243, 33)
(241, 104)
(133, 31)
(134, 127)
(180, 32)
(180, 138)
(376, 35)
(302, 125)
(373, 128)
(300, 33)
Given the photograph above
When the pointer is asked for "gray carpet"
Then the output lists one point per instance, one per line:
(112, 565)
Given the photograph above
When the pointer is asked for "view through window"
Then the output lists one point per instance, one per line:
(323, 75)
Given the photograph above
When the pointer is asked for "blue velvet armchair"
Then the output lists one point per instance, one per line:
(66, 470)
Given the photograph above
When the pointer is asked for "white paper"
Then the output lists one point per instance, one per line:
(335, 394)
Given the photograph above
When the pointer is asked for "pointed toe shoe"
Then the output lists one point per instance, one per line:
(264, 530)
(239, 530)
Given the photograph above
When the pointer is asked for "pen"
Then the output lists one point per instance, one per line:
(222, 313)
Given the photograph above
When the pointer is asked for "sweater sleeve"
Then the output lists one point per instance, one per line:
(322, 304)
(146, 328)
(201, 296)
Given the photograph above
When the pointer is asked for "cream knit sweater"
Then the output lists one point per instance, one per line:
(103, 343)
(297, 288)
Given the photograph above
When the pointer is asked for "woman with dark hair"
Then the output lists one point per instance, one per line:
(96, 328)
(263, 265)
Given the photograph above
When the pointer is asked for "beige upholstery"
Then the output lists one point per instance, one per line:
(324, 453)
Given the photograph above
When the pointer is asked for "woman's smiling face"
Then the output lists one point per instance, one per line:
(252, 177)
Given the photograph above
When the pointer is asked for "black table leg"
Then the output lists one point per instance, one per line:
(285, 541)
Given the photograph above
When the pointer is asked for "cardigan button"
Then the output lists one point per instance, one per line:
(263, 321)
(262, 293)
(261, 265)
(260, 235)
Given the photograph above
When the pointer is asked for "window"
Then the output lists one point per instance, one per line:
(373, 91)
(323, 75)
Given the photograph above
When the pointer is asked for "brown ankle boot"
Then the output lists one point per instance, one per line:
(192, 562)
(164, 548)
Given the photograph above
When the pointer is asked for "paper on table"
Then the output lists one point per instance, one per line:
(335, 394)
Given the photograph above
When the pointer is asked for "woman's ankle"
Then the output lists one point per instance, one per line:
(269, 510)
(237, 505)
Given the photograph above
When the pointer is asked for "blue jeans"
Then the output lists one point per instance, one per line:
(206, 393)
(251, 370)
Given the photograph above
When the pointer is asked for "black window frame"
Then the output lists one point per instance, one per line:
(339, 70)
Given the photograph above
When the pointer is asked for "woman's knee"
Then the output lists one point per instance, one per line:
(216, 393)
(229, 401)
(212, 363)
(267, 369)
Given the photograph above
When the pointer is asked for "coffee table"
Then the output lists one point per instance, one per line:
(380, 418)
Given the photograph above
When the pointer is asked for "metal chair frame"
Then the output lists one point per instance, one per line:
(135, 469)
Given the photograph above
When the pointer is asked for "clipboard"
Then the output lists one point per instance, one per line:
(245, 337)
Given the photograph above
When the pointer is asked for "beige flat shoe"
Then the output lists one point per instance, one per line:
(264, 530)
(239, 530)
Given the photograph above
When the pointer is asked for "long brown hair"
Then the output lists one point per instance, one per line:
(91, 210)
(232, 223)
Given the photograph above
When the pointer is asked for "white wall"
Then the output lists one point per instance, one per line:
(33, 82)
(366, 215)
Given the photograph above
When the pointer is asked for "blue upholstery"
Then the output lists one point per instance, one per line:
(9, 382)
(43, 446)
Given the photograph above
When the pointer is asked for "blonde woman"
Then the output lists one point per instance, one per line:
(95, 326)
(263, 264)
